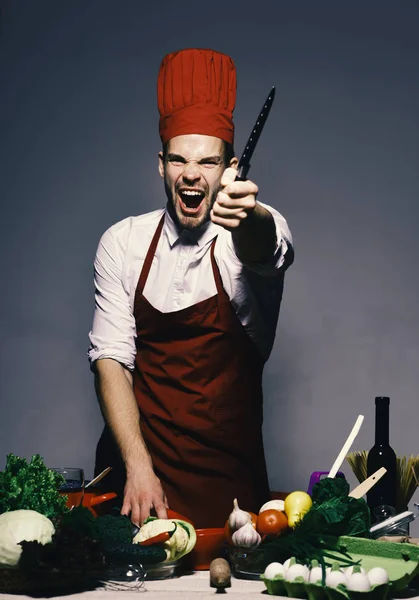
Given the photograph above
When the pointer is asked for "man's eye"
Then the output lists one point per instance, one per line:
(176, 163)
(210, 164)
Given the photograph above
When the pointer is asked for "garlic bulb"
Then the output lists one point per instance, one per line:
(246, 536)
(238, 517)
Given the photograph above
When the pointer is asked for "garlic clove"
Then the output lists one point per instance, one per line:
(238, 517)
(246, 536)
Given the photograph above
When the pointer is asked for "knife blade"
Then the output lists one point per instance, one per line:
(244, 162)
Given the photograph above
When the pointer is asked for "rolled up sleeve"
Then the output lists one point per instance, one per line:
(283, 256)
(284, 252)
(113, 331)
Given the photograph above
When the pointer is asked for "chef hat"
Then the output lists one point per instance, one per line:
(196, 93)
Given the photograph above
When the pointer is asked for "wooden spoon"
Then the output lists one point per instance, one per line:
(98, 477)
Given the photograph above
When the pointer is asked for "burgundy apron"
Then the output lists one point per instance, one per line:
(198, 384)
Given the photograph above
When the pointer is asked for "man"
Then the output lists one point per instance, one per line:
(187, 301)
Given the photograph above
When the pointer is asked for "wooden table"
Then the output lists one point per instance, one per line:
(187, 587)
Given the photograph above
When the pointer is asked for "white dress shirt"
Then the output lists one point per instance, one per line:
(180, 276)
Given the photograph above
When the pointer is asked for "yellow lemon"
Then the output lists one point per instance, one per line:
(296, 505)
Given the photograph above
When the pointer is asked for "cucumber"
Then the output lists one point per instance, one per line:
(123, 553)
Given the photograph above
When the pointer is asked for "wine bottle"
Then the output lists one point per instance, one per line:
(382, 455)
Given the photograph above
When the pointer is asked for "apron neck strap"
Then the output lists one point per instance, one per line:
(222, 294)
(149, 257)
(152, 251)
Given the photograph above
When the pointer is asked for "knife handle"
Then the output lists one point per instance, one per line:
(242, 173)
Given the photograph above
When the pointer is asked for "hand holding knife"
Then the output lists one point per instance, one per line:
(235, 202)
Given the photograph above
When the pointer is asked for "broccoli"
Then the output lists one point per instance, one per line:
(113, 535)
(114, 528)
(79, 520)
(106, 528)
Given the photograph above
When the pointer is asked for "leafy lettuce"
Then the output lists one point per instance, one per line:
(31, 486)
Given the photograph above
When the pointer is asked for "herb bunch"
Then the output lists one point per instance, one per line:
(31, 486)
(333, 514)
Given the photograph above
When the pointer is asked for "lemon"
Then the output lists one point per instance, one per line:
(296, 505)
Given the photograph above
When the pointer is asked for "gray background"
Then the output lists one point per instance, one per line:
(339, 158)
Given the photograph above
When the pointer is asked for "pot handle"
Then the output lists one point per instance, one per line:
(102, 498)
(317, 475)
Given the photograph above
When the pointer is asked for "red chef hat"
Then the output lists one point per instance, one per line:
(196, 93)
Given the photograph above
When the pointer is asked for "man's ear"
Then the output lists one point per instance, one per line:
(161, 164)
(234, 162)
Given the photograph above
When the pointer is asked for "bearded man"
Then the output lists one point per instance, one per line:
(187, 302)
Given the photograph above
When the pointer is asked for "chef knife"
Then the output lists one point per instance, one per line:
(244, 162)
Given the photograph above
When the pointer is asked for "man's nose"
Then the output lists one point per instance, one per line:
(191, 172)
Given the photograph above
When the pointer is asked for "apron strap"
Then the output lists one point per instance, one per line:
(149, 258)
(222, 294)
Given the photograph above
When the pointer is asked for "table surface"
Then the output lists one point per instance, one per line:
(186, 587)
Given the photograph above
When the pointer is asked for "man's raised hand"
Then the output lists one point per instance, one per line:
(234, 202)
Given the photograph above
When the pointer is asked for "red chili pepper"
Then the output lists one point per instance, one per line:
(160, 538)
(157, 539)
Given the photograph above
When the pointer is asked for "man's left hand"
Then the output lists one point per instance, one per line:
(235, 201)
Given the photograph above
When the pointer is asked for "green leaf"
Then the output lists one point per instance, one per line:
(31, 486)
(333, 514)
(329, 489)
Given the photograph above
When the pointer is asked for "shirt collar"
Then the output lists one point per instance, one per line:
(202, 236)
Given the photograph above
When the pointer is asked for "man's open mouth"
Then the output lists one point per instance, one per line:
(191, 200)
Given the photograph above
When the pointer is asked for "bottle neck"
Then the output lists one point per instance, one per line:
(382, 413)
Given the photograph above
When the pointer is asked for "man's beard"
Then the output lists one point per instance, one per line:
(183, 221)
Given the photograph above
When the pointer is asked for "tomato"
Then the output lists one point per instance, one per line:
(228, 533)
(271, 522)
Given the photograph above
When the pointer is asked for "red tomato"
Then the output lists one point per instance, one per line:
(271, 522)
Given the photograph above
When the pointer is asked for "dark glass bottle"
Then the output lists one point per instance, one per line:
(382, 455)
